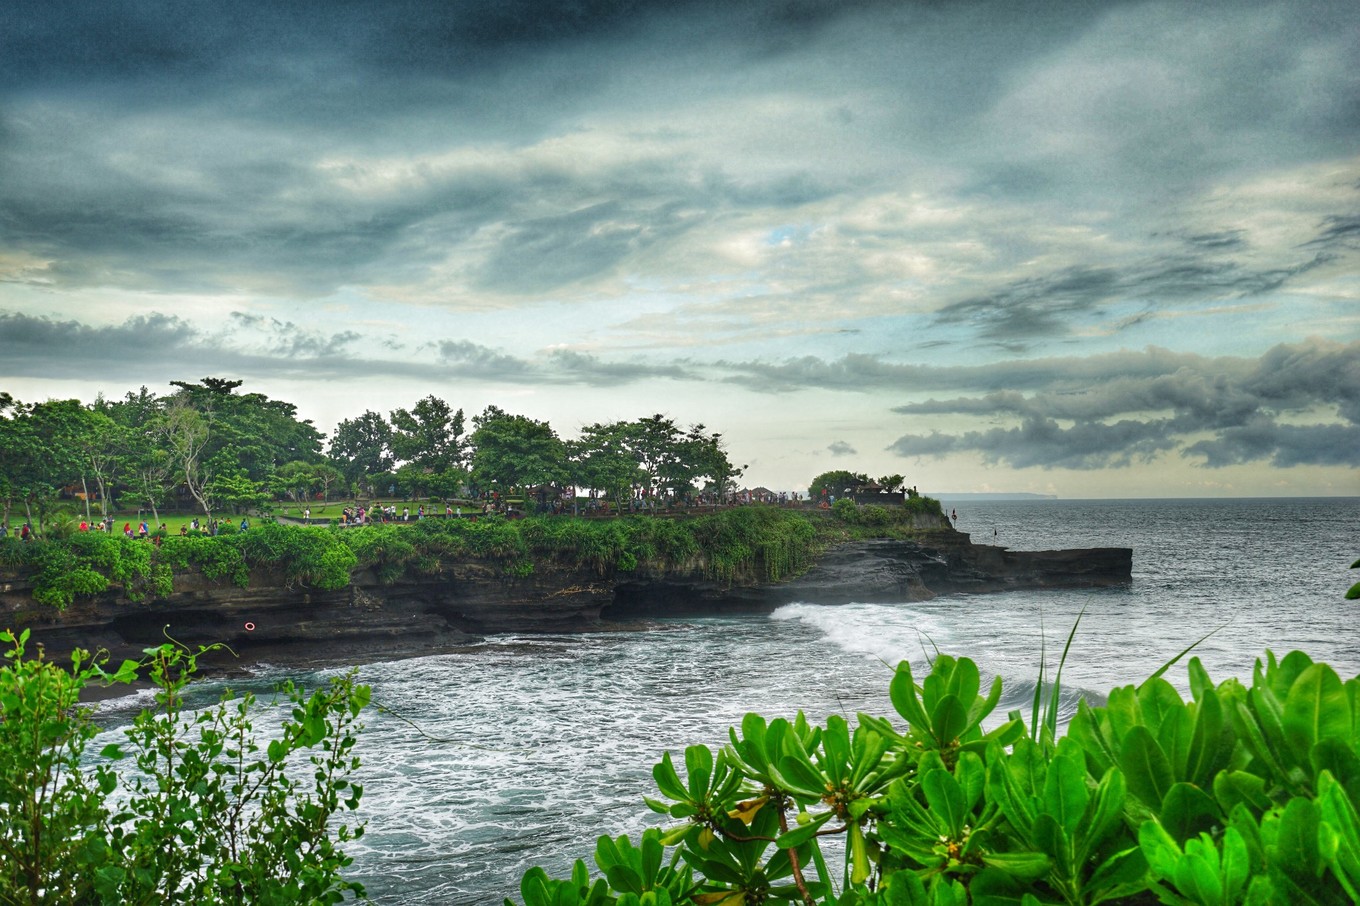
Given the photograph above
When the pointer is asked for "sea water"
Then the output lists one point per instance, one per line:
(523, 750)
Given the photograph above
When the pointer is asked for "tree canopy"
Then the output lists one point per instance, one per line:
(210, 447)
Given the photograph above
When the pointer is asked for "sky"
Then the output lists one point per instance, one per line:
(1090, 249)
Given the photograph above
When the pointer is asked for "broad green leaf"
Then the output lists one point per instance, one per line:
(1065, 794)
(1198, 873)
(1159, 849)
(1187, 810)
(1296, 839)
(980, 708)
(836, 747)
(804, 832)
(972, 777)
(1158, 699)
(802, 777)
(948, 720)
(965, 681)
(667, 781)
(1210, 743)
(1105, 814)
(624, 878)
(1340, 813)
(1120, 875)
(905, 700)
(1124, 713)
(1316, 708)
(1026, 866)
(946, 800)
(1145, 767)
(1003, 790)
(699, 764)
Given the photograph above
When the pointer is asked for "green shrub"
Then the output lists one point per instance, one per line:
(210, 813)
(1242, 795)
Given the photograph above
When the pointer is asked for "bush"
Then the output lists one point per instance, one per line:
(1245, 794)
(209, 812)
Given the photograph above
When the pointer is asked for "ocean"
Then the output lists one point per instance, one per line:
(523, 750)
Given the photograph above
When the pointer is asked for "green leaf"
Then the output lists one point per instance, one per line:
(1296, 839)
(801, 777)
(1210, 743)
(699, 763)
(949, 720)
(1145, 767)
(804, 832)
(624, 878)
(1159, 848)
(946, 801)
(1065, 794)
(667, 781)
(1234, 787)
(1316, 708)
(1105, 814)
(1187, 810)
(902, 692)
(1025, 866)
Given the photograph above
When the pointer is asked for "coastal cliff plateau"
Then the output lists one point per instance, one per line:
(272, 621)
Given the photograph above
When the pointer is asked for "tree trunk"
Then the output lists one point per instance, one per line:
(85, 487)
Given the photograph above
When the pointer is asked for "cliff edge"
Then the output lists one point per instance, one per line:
(272, 621)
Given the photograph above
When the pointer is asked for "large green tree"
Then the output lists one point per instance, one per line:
(601, 459)
(49, 435)
(429, 435)
(515, 451)
(836, 483)
(361, 447)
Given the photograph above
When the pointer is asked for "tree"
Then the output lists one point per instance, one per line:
(892, 483)
(428, 435)
(250, 431)
(44, 440)
(836, 483)
(12, 450)
(294, 480)
(600, 459)
(103, 447)
(710, 459)
(361, 447)
(185, 432)
(237, 490)
(515, 451)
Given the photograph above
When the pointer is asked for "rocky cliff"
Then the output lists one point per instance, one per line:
(271, 621)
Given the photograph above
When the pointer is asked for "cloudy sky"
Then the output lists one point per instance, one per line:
(1083, 248)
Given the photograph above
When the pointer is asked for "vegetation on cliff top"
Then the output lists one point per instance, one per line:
(750, 543)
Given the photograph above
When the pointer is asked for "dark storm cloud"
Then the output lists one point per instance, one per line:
(862, 372)
(1251, 410)
(250, 147)
(1054, 304)
(263, 345)
(1043, 442)
(588, 369)
(30, 345)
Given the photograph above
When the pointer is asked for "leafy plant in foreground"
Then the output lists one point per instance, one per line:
(1245, 794)
(202, 810)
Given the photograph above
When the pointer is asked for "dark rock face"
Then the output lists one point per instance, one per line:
(884, 571)
(273, 622)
